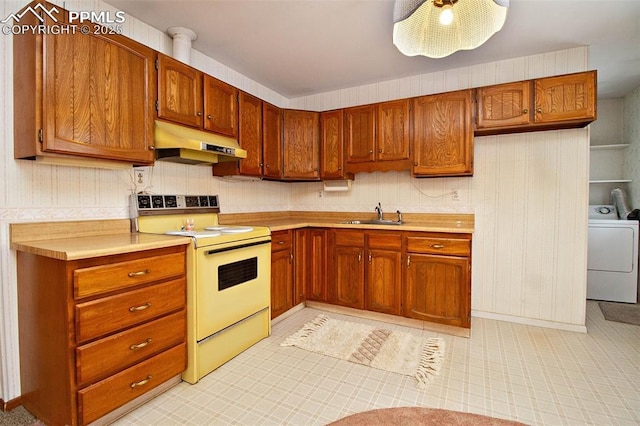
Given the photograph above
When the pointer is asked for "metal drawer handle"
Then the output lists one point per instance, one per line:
(141, 382)
(140, 345)
(140, 308)
(280, 242)
(436, 246)
(139, 273)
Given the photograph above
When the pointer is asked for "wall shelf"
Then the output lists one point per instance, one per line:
(605, 147)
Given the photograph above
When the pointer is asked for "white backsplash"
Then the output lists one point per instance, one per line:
(529, 191)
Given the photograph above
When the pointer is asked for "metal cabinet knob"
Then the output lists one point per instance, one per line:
(209, 116)
(525, 111)
(199, 114)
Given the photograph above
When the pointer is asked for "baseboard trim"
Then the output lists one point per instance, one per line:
(10, 405)
(530, 321)
(287, 314)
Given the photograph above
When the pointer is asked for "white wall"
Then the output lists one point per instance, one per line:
(529, 191)
(631, 135)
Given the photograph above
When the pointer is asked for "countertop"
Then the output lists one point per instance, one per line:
(425, 222)
(85, 239)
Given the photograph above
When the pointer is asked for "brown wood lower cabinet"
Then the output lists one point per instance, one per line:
(311, 263)
(384, 273)
(438, 279)
(86, 348)
(420, 275)
(281, 272)
(365, 272)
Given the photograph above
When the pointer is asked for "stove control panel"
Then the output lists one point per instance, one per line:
(151, 204)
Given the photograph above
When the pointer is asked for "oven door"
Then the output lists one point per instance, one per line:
(231, 284)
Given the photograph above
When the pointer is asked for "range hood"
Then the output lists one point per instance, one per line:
(181, 144)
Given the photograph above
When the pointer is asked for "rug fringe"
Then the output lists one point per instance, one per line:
(306, 330)
(430, 361)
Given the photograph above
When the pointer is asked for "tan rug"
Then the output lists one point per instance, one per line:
(628, 313)
(419, 416)
(384, 349)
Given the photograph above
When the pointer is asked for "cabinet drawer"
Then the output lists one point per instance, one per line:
(102, 316)
(105, 278)
(99, 399)
(433, 245)
(385, 240)
(106, 356)
(281, 241)
(349, 238)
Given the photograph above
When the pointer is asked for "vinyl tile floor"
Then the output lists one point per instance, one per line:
(534, 375)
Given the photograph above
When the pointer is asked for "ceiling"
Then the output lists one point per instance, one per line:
(303, 47)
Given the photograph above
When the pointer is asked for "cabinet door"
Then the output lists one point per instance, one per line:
(332, 145)
(392, 135)
(301, 145)
(566, 98)
(281, 282)
(347, 271)
(437, 289)
(316, 260)
(272, 140)
(382, 293)
(220, 107)
(384, 273)
(443, 135)
(360, 133)
(179, 92)
(300, 265)
(504, 105)
(250, 134)
(98, 97)
(348, 279)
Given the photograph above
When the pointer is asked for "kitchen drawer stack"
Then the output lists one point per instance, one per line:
(98, 333)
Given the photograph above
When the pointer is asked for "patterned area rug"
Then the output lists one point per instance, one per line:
(418, 416)
(384, 349)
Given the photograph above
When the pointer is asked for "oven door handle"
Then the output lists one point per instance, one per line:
(241, 246)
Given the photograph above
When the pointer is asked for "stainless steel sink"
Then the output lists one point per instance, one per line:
(373, 222)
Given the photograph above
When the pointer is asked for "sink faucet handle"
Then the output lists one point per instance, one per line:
(399, 215)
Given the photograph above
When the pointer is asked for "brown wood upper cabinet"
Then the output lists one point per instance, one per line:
(271, 141)
(565, 101)
(301, 145)
(504, 105)
(377, 136)
(568, 98)
(332, 146)
(442, 134)
(190, 97)
(83, 95)
(250, 129)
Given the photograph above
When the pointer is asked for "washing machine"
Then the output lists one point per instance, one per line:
(612, 263)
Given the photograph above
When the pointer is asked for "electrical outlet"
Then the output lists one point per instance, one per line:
(141, 178)
(320, 194)
(455, 195)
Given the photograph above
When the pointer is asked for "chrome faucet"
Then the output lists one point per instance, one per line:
(399, 216)
(379, 210)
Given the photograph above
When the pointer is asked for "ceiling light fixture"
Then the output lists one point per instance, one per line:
(437, 28)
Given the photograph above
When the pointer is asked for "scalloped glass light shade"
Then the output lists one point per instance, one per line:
(418, 31)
